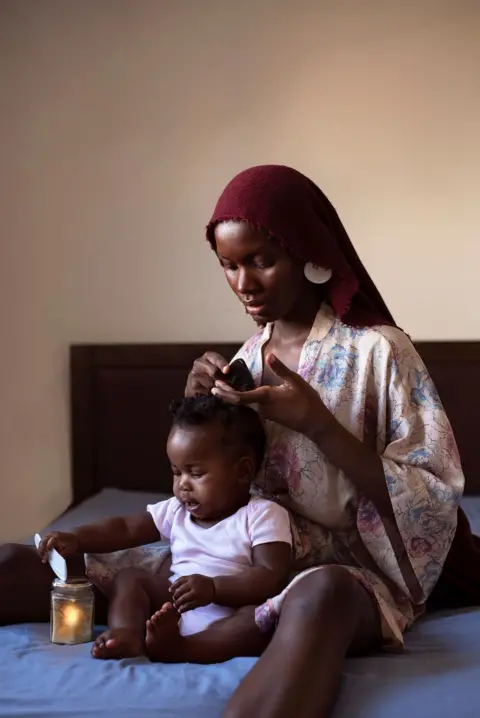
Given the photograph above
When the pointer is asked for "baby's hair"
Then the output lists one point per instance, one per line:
(243, 426)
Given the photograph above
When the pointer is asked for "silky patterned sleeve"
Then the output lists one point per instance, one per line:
(422, 471)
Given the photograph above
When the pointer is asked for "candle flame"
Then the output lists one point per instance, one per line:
(71, 615)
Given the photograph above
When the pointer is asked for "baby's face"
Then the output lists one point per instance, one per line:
(206, 477)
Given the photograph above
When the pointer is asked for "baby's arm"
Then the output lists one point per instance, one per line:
(113, 534)
(103, 536)
(268, 576)
(117, 533)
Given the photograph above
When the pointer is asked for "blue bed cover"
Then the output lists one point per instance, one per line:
(437, 676)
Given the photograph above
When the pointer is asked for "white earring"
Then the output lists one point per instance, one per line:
(316, 274)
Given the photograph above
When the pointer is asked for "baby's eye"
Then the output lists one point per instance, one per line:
(196, 474)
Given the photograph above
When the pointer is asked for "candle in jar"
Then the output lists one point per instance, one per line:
(72, 611)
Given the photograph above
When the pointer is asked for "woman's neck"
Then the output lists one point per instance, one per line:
(297, 324)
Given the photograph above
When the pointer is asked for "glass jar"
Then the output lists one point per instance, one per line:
(72, 611)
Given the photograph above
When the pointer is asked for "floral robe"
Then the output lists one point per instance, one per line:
(375, 384)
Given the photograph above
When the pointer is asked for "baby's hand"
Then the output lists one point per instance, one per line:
(65, 543)
(191, 592)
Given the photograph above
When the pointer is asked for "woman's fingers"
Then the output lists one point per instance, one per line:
(261, 395)
(202, 385)
(204, 372)
(219, 384)
(218, 361)
(210, 363)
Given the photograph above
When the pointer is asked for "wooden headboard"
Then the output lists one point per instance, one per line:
(120, 421)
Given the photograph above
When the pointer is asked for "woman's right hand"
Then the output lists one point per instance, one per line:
(65, 543)
(205, 371)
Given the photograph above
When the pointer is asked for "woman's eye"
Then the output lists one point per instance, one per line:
(227, 266)
(264, 263)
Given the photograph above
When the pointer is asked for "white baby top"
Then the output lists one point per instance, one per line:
(224, 549)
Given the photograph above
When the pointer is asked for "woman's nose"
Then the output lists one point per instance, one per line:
(245, 282)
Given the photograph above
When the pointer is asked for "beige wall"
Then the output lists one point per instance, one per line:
(120, 122)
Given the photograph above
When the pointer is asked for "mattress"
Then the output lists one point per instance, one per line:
(437, 676)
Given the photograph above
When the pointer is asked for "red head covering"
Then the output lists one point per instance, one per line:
(293, 210)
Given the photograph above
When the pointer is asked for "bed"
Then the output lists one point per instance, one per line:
(119, 420)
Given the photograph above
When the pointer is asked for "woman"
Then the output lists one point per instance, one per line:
(360, 452)
(360, 449)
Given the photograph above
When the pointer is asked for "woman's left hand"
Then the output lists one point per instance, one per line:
(292, 403)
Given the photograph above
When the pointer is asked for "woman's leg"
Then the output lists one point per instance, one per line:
(133, 595)
(327, 615)
(25, 584)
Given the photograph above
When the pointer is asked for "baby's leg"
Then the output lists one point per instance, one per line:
(237, 635)
(133, 595)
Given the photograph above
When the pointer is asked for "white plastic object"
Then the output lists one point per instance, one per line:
(57, 562)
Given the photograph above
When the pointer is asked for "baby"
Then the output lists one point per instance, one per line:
(229, 549)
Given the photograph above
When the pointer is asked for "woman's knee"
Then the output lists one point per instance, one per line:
(332, 588)
(14, 556)
(24, 585)
(8, 551)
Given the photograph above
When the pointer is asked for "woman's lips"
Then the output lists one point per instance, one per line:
(255, 309)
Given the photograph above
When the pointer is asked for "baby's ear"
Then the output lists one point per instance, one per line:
(245, 469)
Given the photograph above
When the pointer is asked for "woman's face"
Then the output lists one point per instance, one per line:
(266, 279)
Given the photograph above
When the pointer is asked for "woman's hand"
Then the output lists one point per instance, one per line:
(205, 371)
(293, 403)
(65, 543)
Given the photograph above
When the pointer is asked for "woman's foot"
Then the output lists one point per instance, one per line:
(163, 640)
(118, 643)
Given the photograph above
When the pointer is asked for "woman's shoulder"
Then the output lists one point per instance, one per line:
(384, 339)
(393, 337)
(379, 350)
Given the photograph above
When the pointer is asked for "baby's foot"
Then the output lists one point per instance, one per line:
(118, 643)
(164, 642)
